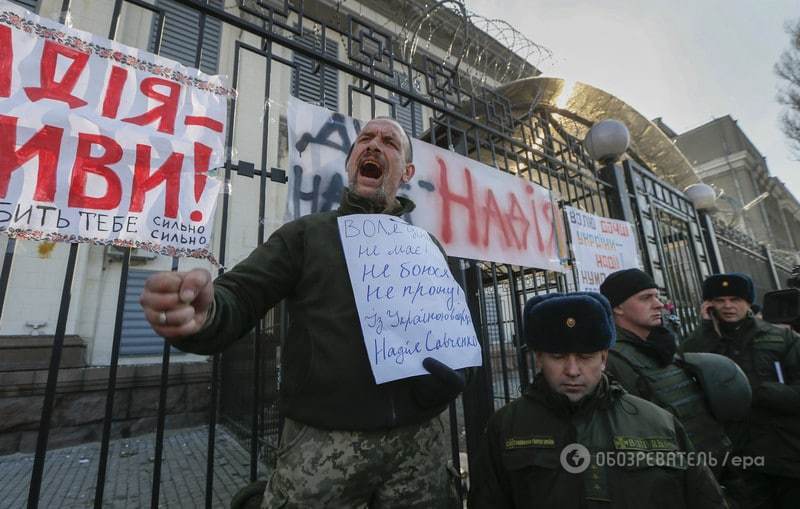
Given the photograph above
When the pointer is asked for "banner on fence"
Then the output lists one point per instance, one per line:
(476, 211)
(408, 302)
(601, 246)
(104, 143)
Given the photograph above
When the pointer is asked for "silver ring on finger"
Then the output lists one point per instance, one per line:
(162, 318)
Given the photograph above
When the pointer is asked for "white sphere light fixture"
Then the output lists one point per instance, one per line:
(607, 140)
(702, 196)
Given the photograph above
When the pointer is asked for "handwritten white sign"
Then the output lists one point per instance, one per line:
(409, 305)
(601, 246)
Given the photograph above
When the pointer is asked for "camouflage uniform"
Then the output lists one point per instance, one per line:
(402, 467)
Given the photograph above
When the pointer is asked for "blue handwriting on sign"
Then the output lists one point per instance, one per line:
(423, 317)
(395, 353)
(371, 228)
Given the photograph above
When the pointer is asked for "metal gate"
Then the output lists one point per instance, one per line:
(671, 242)
(325, 53)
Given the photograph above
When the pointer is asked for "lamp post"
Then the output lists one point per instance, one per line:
(606, 142)
(704, 199)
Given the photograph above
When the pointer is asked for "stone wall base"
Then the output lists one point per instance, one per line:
(81, 402)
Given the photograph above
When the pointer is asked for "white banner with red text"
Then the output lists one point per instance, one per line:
(104, 143)
(475, 211)
(601, 246)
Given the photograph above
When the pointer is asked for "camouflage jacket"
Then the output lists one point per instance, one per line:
(772, 430)
(327, 380)
(528, 448)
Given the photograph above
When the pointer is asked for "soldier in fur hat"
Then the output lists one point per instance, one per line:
(770, 357)
(574, 439)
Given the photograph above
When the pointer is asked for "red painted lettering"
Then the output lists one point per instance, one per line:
(214, 125)
(166, 111)
(202, 158)
(85, 163)
(116, 83)
(449, 199)
(44, 144)
(517, 216)
(493, 215)
(6, 61)
(143, 181)
(607, 261)
(59, 90)
(547, 212)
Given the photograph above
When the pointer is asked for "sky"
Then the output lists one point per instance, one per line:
(687, 61)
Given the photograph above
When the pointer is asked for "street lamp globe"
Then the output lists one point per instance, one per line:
(607, 140)
(702, 196)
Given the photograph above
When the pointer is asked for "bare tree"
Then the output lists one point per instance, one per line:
(788, 69)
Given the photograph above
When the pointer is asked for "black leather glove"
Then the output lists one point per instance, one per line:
(440, 387)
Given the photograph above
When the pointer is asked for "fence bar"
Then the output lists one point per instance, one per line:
(112, 380)
(5, 272)
(478, 397)
(522, 363)
(771, 263)
(454, 449)
(52, 380)
(212, 409)
(262, 205)
(162, 410)
(112, 32)
(212, 429)
(65, 5)
(502, 335)
(161, 415)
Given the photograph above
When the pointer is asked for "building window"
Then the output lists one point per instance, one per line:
(410, 115)
(138, 338)
(312, 83)
(181, 31)
(31, 5)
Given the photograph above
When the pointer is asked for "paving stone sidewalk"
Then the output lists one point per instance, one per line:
(71, 473)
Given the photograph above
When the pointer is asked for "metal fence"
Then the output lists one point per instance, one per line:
(348, 64)
(741, 253)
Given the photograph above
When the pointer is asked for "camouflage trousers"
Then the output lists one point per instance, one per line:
(398, 468)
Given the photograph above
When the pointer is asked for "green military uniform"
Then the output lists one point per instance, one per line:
(327, 389)
(636, 365)
(521, 463)
(772, 430)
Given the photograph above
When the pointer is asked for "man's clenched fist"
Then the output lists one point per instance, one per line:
(177, 303)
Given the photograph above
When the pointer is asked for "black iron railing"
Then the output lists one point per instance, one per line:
(473, 121)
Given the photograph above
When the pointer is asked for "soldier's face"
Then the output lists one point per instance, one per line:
(640, 311)
(572, 374)
(377, 164)
(730, 309)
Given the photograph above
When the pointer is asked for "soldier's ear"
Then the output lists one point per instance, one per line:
(604, 358)
(618, 311)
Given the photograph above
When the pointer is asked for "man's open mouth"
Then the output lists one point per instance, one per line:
(370, 169)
